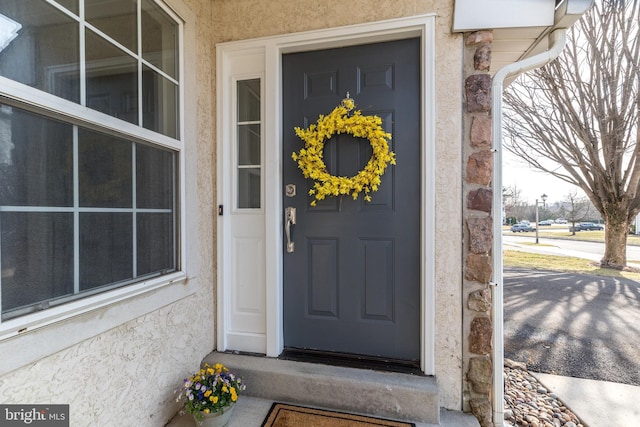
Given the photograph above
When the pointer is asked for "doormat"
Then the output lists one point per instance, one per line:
(284, 415)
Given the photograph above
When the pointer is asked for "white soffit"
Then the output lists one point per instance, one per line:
(509, 44)
(517, 25)
(513, 44)
(472, 15)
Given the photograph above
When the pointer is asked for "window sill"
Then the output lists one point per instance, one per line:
(29, 338)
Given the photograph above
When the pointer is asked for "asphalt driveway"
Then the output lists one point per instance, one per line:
(575, 325)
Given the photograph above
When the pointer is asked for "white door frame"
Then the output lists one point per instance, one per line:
(264, 57)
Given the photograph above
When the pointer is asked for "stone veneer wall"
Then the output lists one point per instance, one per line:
(478, 195)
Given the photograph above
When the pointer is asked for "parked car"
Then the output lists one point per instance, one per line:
(587, 226)
(519, 228)
(561, 221)
(546, 222)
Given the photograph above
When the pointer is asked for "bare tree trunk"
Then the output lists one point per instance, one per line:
(615, 236)
(617, 220)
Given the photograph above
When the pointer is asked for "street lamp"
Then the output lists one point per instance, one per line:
(544, 199)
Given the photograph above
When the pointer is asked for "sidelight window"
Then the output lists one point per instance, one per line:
(249, 158)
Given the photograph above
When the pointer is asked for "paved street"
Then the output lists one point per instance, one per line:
(574, 325)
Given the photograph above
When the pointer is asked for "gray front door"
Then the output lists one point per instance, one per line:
(352, 285)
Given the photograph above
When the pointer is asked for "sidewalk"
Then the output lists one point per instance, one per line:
(596, 403)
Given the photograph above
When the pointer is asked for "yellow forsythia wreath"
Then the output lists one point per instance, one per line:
(310, 158)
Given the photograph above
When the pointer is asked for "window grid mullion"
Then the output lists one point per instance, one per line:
(158, 70)
(64, 9)
(139, 58)
(83, 56)
(0, 267)
(72, 209)
(76, 213)
(134, 215)
(175, 211)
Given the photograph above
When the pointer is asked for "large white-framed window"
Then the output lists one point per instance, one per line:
(90, 149)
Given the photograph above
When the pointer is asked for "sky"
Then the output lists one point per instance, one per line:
(531, 182)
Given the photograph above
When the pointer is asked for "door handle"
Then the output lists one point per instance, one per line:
(289, 220)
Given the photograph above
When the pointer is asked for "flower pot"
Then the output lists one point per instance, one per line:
(217, 419)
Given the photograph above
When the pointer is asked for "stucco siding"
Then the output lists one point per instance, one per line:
(258, 18)
(123, 377)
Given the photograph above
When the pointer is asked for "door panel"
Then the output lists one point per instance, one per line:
(352, 285)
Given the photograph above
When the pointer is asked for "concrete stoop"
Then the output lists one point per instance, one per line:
(251, 412)
(382, 394)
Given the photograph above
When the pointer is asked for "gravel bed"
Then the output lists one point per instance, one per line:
(529, 404)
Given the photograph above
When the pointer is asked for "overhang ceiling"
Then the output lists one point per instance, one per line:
(513, 44)
(528, 35)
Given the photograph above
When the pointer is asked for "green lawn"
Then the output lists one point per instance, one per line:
(561, 263)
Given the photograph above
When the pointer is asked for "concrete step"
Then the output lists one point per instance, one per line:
(382, 394)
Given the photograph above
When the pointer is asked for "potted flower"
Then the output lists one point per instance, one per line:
(210, 394)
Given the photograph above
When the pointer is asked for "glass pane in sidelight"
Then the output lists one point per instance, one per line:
(249, 145)
(249, 188)
(249, 100)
